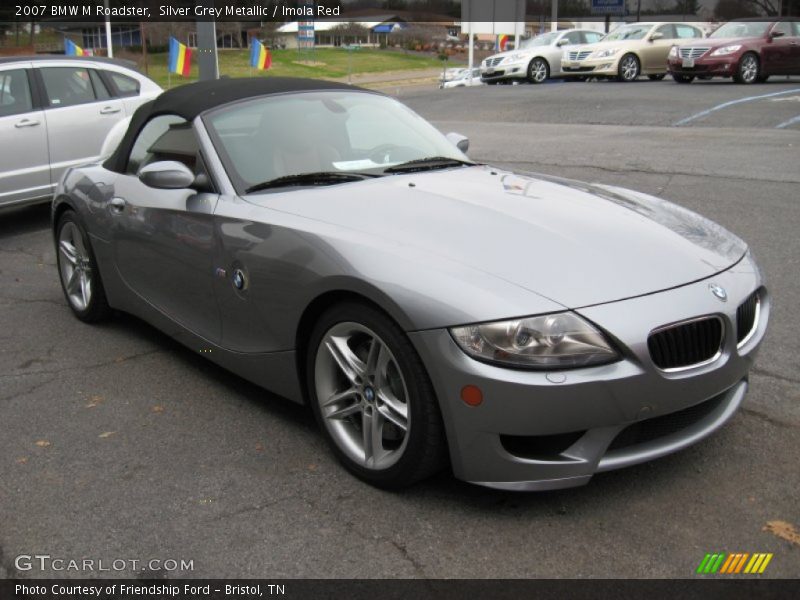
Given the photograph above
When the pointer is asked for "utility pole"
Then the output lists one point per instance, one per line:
(207, 61)
(554, 15)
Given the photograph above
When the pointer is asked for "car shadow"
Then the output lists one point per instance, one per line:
(25, 219)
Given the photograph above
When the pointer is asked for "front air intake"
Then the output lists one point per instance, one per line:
(687, 344)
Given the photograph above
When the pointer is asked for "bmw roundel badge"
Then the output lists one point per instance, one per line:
(718, 291)
(239, 280)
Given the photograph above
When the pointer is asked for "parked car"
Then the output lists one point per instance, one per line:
(629, 51)
(330, 245)
(749, 51)
(466, 78)
(451, 74)
(537, 59)
(55, 112)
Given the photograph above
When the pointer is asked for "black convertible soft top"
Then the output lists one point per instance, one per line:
(190, 100)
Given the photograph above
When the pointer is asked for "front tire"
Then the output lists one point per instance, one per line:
(538, 70)
(682, 78)
(78, 271)
(629, 68)
(372, 397)
(749, 69)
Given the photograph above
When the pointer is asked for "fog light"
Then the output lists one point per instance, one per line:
(471, 395)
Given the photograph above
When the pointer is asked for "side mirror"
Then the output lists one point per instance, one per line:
(774, 34)
(459, 141)
(166, 175)
(656, 36)
(562, 42)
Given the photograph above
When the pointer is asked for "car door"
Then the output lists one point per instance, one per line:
(794, 47)
(776, 55)
(24, 162)
(80, 112)
(163, 239)
(654, 51)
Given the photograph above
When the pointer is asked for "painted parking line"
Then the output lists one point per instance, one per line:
(731, 103)
(791, 121)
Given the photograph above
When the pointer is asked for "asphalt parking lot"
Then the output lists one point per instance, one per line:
(117, 443)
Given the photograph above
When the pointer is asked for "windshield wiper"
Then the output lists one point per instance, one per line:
(298, 179)
(428, 163)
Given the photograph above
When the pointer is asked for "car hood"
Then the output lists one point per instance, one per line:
(508, 53)
(574, 243)
(719, 42)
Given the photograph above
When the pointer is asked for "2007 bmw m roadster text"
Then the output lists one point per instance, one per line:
(332, 246)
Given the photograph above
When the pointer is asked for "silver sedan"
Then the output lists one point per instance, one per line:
(330, 245)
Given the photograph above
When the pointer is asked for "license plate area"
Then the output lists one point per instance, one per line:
(688, 63)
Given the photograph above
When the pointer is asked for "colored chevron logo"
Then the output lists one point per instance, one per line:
(734, 564)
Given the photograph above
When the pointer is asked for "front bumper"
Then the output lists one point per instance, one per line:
(540, 430)
(591, 66)
(514, 70)
(722, 66)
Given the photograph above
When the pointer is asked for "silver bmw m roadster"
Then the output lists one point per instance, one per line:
(330, 245)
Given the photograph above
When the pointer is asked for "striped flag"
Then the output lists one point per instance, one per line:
(260, 57)
(502, 42)
(180, 58)
(72, 49)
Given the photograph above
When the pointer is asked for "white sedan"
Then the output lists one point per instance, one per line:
(537, 59)
(464, 79)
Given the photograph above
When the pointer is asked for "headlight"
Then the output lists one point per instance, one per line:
(514, 57)
(726, 50)
(673, 52)
(605, 53)
(547, 342)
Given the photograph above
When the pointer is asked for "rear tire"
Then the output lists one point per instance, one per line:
(364, 376)
(78, 271)
(538, 70)
(629, 68)
(683, 78)
(748, 70)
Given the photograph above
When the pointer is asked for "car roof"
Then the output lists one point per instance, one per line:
(128, 64)
(189, 101)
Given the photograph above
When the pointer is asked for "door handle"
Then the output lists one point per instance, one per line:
(26, 123)
(117, 205)
(109, 110)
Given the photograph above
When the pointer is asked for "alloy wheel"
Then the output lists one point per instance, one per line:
(629, 68)
(749, 69)
(362, 394)
(537, 72)
(75, 266)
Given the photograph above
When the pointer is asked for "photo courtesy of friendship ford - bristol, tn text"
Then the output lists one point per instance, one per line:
(304, 291)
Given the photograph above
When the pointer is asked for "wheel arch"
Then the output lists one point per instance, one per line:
(324, 300)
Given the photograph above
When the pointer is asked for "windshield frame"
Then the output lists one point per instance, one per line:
(529, 43)
(648, 29)
(240, 185)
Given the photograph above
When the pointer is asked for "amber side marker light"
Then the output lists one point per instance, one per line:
(472, 395)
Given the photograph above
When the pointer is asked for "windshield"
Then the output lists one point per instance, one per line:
(741, 29)
(627, 32)
(540, 40)
(337, 132)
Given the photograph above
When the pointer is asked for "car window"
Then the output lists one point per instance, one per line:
(15, 93)
(667, 31)
(591, 37)
(68, 86)
(126, 86)
(163, 139)
(100, 89)
(686, 31)
(784, 27)
(573, 37)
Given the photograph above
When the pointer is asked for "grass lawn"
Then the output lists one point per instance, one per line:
(331, 63)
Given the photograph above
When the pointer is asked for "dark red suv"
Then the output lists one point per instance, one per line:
(747, 50)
